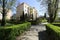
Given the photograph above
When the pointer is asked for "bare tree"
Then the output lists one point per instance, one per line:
(6, 5)
(52, 8)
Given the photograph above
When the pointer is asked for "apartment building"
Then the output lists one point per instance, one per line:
(9, 15)
(22, 8)
(26, 9)
(34, 14)
(59, 9)
(0, 13)
(0, 16)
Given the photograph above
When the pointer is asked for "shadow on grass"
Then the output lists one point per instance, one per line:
(43, 35)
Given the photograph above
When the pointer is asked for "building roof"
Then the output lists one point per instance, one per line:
(23, 3)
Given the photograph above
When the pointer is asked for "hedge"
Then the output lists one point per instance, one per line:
(56, 24)
(10, 33)
(53, 31)
(44, 21)
(34, 22)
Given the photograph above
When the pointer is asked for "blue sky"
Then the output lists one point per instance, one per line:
(35, 4)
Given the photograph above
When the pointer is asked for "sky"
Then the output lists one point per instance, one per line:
(36, 4)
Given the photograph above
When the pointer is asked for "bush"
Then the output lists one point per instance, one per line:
(44, 21)
(56, 24)
(53, 31)
(10, 33)
(34, 22)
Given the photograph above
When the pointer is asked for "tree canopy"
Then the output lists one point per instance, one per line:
(9, 4)
(5, 5)
(52, 8)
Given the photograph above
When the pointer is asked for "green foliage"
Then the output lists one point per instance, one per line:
(35, 22)
(52, 10)
(43, 20)
(6, 5)
(10, 33)
(56, 24)
(45, 15)
(54, 31)
(22, 18)
(26, 17)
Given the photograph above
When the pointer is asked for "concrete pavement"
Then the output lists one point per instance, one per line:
(33, 33)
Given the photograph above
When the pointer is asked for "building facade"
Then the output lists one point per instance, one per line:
(0, 13)
(22, 8)
(9, 15)
(34, 14)
(0, 16)
(26, 9)
(58, 9)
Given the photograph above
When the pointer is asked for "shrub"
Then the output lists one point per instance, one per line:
(56, 24)
(10, 33)
(44, 20)
(54, 31)
(34, 22)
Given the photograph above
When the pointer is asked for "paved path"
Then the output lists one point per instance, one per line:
(36, 32)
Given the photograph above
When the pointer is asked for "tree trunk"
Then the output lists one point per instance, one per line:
(56, 6)
(52, 10)
(3, 14)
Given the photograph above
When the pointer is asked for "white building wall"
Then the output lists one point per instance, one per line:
(26, 9)
(9, 15)
(34, 14)
(20, 9)
(0, 16)
(58, 13)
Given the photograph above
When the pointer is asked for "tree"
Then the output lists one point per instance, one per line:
(22, 18)
(31, 13)
(6, 5)
(45, 15)
(26, 17)
(52, 8)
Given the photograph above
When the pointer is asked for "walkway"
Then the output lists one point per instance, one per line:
(36, 32)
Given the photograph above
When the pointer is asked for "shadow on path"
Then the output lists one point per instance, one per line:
(43, 35)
